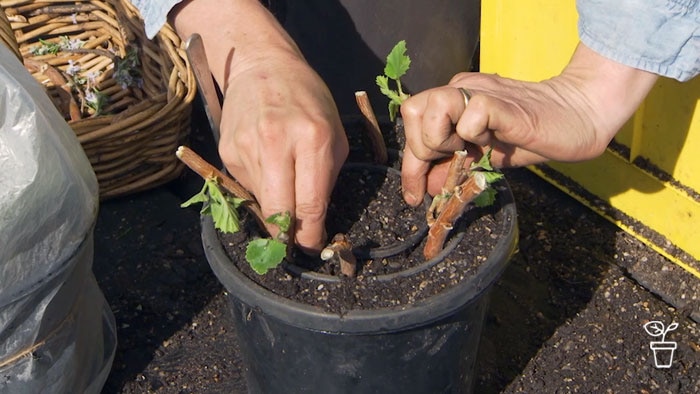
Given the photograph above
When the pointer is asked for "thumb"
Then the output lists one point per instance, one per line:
(413, 177)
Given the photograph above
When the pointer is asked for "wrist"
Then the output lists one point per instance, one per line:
(237, 34)
(612, 91)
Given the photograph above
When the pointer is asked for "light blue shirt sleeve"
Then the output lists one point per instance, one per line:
(659, 36)
(154, 13)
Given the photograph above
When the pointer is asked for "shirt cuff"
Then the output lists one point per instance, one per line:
(154, 14)
(661, 37)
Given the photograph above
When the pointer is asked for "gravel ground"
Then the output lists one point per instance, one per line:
(567, 315)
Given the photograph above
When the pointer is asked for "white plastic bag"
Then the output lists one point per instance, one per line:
(57, 333)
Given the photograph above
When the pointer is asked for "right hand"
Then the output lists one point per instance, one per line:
(280, 132)
(282, 139)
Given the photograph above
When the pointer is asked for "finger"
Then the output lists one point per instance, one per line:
(275, 189)
(506, 155)
(437, 175)
(240, 174)
(481, 124)
(414, 173)
(473, 124)
(316, 169)
(412, 113)
(412, 116)
(443, 109)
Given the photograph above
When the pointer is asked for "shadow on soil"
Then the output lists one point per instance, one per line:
(150, 264)
(552, 278)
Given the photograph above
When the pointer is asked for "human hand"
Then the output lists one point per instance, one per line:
(282, 139)
(571, 117)
(280, 132)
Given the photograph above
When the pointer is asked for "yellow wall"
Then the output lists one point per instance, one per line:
(533, 40)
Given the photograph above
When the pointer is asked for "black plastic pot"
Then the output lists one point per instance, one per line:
(426, 347)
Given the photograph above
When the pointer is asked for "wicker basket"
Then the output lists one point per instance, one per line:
(7, 37)
(127, 98)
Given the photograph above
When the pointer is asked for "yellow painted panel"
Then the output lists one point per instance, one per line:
(533, 40)
(659, 206)
(530, 40)
(626, 135)
(671, 130)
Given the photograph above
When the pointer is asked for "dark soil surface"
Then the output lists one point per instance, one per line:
(367, 207)
(567, 315)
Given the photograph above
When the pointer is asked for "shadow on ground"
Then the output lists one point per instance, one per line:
(552, 278)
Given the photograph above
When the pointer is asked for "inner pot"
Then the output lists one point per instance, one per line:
(367, 206)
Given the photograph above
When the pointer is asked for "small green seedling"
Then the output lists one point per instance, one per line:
(488, 196)
(221, 206)
(262, 254)
(461, 186)
(397, 64)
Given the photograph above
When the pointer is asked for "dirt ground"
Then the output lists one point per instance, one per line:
(567, 315)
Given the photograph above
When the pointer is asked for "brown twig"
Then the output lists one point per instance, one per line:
(197, 164)
(372, 126)
(454, 207)
(93, 51)
(64, 9)
(59, 81)
(456, 174)
(341, 248)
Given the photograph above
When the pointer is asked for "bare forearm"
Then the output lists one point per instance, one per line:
(236, 33)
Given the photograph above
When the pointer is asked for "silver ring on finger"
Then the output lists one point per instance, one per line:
(467, 95)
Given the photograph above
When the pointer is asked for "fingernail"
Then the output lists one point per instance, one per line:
(410, 198)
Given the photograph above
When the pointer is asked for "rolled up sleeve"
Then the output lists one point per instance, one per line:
(154, 13)
(659, 36)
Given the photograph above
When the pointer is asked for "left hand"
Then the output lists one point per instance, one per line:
(570, 117)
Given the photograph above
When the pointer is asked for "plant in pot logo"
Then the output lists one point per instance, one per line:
(663, 350)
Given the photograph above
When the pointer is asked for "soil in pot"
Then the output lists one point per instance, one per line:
(367, 206)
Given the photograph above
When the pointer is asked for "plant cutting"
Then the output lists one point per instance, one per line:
(397, 64)
(373, 313)
(461, 186)
(262, 254)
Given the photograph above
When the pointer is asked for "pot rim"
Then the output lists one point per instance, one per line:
(367, 321)
(663, 345)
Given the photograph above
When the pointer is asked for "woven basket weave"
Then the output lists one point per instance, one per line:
(7, 37)
(146, 103)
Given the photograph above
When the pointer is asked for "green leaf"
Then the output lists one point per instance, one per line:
(492, 176)
(220, 206)
(397, 62)
(383, 83)
(50, 47)
(201, 197)
(393, 95)
(223, 210)
(283, 220)
(485, 162)
(484, 166)
(264, 254)
(485, 198)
